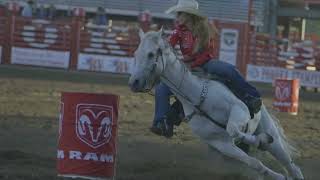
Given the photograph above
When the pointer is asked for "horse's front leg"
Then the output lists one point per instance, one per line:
(237, 122)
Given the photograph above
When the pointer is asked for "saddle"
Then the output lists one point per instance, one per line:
(253, 103)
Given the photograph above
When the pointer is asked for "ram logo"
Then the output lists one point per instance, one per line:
(283, 91)
(94, 124)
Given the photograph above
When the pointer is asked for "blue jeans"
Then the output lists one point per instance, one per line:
(162, 102)
(228, 71)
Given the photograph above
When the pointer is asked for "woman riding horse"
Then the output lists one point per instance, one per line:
(195, 36)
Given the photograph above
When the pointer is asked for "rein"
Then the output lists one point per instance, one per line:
(154, 67)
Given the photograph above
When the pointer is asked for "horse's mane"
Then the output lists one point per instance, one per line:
(175, 52)
(154, 36)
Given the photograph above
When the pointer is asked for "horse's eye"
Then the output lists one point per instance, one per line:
(150, 55)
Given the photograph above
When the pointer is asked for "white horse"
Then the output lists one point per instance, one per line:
(215, 114)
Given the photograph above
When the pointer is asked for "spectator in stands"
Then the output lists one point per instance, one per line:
(51, 12)
(101, 17)
(28, 9)
(2, 8)
(42, 12)
(196, 36)
(69, 12)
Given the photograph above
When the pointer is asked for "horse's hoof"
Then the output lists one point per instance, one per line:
(289, 178)
(264, 141)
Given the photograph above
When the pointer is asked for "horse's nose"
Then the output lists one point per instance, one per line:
(134, 85)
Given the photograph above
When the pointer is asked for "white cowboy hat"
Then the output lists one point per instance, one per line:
(188, 6)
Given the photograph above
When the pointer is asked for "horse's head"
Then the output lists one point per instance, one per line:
(149, 63)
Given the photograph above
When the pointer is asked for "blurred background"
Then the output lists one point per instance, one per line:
(53, 46)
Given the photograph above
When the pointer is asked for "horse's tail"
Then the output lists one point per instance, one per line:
(271, 123)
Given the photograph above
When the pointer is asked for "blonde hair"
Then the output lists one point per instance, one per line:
(202, 29)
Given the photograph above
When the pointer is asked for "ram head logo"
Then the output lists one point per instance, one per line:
(229, 38)
(283, 90)
(94, 124)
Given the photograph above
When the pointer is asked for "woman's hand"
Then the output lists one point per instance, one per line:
(188, 64)
(187, 59)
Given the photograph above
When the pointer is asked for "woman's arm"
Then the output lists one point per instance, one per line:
(204, 56)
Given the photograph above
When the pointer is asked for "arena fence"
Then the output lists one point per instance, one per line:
(72, 44)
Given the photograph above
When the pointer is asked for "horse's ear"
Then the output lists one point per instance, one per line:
(161, 31)
(162, 37)
(141, 33)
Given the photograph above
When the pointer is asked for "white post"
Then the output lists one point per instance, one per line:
(303, 29)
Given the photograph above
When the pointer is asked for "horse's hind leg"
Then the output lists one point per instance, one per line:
(238, 120)
(230, 150)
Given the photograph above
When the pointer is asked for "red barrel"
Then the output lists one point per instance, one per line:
(87, 135)
(286, 95)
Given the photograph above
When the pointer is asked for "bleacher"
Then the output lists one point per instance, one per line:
(73, 44)
(281, 52)
(234, 10)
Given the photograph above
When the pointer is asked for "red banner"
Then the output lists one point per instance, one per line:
(312, 1)
(87, 135)
(286, 97)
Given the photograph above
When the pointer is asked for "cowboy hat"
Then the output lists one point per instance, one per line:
(187, 6)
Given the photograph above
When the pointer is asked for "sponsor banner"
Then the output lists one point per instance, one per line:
(269, 74)
(87, 135)
(103, 63)
(40, 57)
(312, 1)
(229, 45)
(0, 54)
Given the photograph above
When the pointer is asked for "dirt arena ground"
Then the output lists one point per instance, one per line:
(29, 106)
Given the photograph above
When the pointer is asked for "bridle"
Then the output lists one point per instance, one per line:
(153, 71)
(153, 68)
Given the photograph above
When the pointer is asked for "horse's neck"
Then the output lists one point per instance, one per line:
(180, 80)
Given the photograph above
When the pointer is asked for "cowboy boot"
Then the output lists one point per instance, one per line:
(253, 103)
(163, 128)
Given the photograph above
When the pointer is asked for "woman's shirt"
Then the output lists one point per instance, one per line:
(187, 41)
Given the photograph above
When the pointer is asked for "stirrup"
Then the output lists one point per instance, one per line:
(166, 128)
(253, 103)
